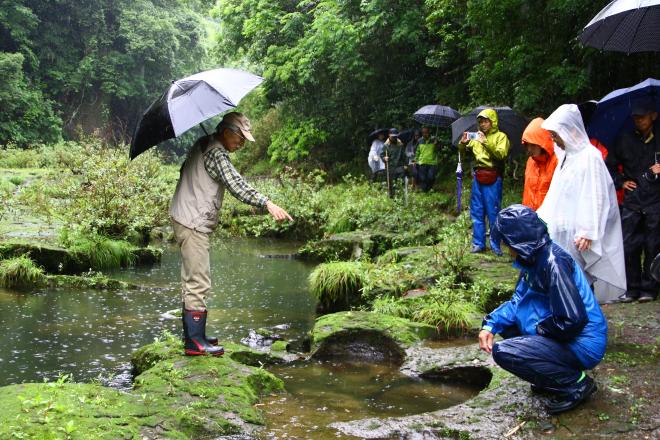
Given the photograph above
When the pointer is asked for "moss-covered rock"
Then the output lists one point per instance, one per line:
(57, 260)
(174, 397)
(345, 246)
(366, 336)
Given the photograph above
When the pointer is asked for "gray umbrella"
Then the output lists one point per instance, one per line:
(436, 115)
(191, 101)
(625, 26)
(509, 122)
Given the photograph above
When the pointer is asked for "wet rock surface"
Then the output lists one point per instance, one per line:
(365, 336)
(625, 406)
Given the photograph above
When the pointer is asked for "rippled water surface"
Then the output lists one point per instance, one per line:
(323, 393)
(87, 333)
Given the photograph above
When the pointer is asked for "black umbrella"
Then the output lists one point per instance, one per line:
(436, 115)
(625, 26)
(374, 134)
(509, 122)
(406, 135)
(190, 101)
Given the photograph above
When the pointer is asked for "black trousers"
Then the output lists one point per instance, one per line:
(641, 235)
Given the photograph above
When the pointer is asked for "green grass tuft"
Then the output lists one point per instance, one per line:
(333, 282)
(20, 272)
(101, 252)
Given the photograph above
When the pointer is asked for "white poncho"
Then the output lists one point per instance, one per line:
(581, 202)
(375, 162)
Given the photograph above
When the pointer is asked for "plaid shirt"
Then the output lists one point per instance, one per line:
(217, 164)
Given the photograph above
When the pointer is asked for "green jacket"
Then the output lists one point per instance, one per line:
(494, 150)
(427, 153)
(396, 154)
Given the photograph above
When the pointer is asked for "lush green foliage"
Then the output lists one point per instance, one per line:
(102, 61)
(115, 196)
(354, 204)
(342, 68)
(453, 248)
(20, 272)
(337, 68)
(27, 116)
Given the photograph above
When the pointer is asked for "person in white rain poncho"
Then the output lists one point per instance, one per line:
(581, 207)
(374, 160)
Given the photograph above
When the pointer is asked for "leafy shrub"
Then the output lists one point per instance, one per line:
(12, 157)
(20, 272)
(452, 251)
(488, 295)
(295, 140)
(336, 282)
(108, 194)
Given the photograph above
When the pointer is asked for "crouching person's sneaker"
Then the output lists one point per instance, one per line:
(646, 297)
(568, 401)
(476, 249)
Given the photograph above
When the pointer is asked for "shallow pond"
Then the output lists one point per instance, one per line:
(321, 393)
(87, 333)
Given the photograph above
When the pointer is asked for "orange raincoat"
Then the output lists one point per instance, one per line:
(539, 169)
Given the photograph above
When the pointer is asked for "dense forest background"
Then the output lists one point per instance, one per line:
(334, 69)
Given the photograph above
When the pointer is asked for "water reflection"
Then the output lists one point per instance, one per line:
(87, 333)
(323, 393)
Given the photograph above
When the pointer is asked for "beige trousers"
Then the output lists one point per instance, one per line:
(195, 266)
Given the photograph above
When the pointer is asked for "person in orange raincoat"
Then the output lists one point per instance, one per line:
(541, 163)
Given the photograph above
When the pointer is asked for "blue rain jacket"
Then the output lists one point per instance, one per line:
(552, 297)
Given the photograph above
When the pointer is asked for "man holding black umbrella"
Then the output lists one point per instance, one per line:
(638, 153)
(205, 175)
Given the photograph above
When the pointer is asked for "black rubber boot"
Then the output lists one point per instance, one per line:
(210, 339)
(194, 330)
(570, 400)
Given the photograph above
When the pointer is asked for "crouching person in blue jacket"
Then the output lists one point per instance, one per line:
(553, 326)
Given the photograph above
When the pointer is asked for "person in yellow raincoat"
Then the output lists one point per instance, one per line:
(490, 149)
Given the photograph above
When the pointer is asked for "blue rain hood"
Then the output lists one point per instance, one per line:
(522, 230)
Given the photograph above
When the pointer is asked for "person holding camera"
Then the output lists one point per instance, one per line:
(634, 164)
(489, 147)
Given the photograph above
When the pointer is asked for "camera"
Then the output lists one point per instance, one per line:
(472, 135)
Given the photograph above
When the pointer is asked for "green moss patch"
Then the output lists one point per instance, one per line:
(174, 397)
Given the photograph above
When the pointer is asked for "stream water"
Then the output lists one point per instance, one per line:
(91, 333)
(87, 333)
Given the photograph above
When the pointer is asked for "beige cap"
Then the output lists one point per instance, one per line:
(236, 121)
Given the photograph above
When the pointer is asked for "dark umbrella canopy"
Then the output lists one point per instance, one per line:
(509, 122)
(625, 26)
(188, 102)
(612, 113)
(436, 115)
(374, 134)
